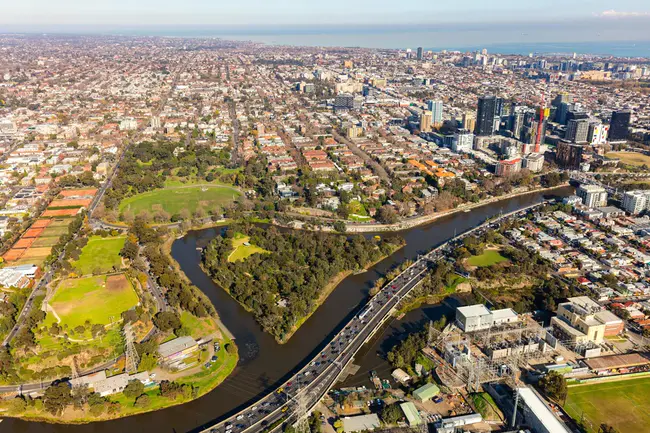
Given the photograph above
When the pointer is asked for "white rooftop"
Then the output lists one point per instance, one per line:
(541, 411)
(474, 310)
(503, 314)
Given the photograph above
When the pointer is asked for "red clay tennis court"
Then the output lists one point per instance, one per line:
(60, 212)
(33, 233)
(78, 192)
(41, 224)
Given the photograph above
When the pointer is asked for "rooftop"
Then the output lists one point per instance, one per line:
(474, 310)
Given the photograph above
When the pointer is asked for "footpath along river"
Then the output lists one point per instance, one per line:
(263, 362)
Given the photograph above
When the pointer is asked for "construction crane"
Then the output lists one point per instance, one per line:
(540, 124)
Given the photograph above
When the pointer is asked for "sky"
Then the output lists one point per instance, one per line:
(466, 21)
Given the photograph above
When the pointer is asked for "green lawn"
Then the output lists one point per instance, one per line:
(488, 258)
(630, 158)
(173, 199)
(100, 253)
(198, 326)
(622, 405)
(241, 251)
(91, 298)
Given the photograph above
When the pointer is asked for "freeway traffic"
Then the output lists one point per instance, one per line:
(303, 390)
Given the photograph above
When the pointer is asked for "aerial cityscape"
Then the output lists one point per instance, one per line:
(236, 231)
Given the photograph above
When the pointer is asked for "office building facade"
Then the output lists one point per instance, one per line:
(436, 112)
(486, 115)
(620, 125)
(577, 130)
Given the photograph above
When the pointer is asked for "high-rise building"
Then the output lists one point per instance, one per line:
(619, 126)
(436, 112)
(562, 111)
(420, 53)
(568, 155)
(425, 121)
(486, 115)
(469, 121)
(636, 202)
(344, 101)
(577, 130)
(463, 141)
(597, 133)
(592, 195)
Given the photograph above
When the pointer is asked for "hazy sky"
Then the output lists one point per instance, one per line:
(243, 12)
(385, 23)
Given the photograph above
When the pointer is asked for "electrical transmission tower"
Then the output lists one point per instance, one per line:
(132, 358)
(300, 401)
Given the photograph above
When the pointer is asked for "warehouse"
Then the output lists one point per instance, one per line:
(426, 392)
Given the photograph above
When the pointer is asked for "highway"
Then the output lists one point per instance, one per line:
(305, 388)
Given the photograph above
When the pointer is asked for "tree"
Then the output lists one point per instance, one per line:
(18, 405)
(391, 414)
(129, 250)
(554, 386)
(147, 362)
(340, 226)
(387, 215)
(167, 321)
(56, 398)
(133, 389)
(142, 401)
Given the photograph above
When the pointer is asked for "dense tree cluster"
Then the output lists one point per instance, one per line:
(554, 386)
(178, 292)
(284, 286)
(146, 166)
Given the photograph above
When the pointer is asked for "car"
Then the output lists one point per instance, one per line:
(284, 409)
(207, 365)
(289, 384)
(307, 373)
(240, 417)
(253, 409)
(214, 358)
(280, 391)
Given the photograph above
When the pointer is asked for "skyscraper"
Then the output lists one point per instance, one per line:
(486, 115)
(420, 52)
(577, 130)
(568, 155)
(436, 112)
(619, 126)
(425, 121)
(469, 121)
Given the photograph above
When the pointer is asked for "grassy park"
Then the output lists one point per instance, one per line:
(620, 404)
(242, 249)
(173, 199)
(98, 299)
(100, 254)
(630, 158)
(488, 258)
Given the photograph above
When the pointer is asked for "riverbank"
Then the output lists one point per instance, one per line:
(329, 288)
(426, 219)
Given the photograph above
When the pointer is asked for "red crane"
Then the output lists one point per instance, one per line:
(538, 138)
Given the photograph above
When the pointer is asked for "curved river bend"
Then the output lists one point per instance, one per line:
(263, 362)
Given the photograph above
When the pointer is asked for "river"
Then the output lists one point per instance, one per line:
(263, 362)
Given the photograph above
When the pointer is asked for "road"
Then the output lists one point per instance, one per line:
(305, 388)
(236, 151)
(376, 167)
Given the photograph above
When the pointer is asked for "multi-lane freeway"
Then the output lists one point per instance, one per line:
(303, 390)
